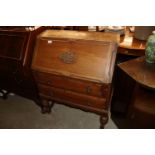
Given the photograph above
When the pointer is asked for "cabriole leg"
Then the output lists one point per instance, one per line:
(46, 106)
(4, 94)
(103, 120)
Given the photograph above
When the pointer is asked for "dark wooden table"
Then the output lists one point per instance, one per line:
(141, 71)
(142, 101)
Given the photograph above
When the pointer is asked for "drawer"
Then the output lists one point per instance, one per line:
(84, 87)
(66, 96)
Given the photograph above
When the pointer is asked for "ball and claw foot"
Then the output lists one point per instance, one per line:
(103, 120)
(46, 108)
(4, 94)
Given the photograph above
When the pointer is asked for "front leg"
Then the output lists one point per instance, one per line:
(103, 120)
(46, 106)
(4, 94)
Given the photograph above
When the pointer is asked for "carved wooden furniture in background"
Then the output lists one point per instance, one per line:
(75, 68)
(142, 100)
(16, 50)
(129, 48)
(75, 28)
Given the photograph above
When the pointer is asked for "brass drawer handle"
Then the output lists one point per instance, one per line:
(88, 89)
(49, 82)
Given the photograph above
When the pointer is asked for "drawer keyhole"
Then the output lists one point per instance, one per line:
(49, 82)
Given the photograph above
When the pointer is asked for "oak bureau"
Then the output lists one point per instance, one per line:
(76, 69)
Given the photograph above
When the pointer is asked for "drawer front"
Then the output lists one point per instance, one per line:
(66, 96)
(80, 86)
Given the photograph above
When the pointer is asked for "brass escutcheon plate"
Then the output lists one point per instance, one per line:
(68, 57)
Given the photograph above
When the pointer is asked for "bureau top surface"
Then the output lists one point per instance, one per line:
(82, 35)
(82, 59)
